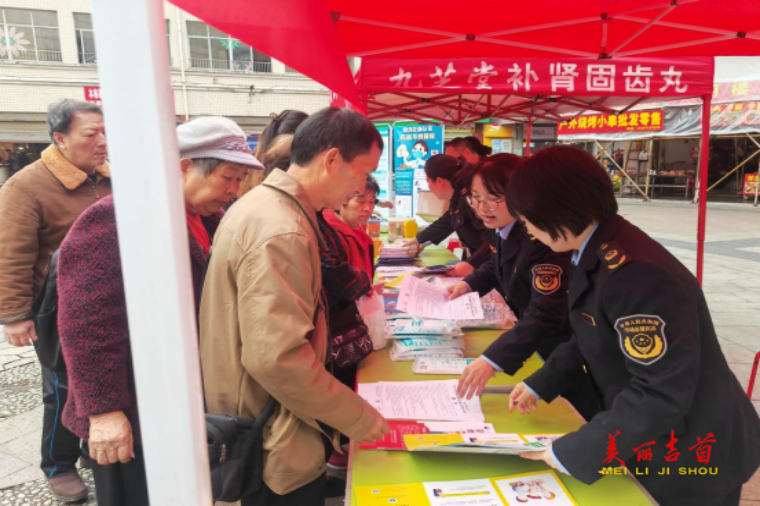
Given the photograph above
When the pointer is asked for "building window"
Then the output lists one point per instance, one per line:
(212, 49)
(29, 35)
(86, 39)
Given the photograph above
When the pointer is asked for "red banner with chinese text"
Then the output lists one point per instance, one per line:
(739, 90)
(639, 121)
(635, 77)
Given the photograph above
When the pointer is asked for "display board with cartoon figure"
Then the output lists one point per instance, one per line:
(413, 145)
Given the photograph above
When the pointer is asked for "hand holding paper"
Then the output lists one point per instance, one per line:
(424, 299)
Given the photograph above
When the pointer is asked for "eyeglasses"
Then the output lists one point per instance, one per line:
(488, 204)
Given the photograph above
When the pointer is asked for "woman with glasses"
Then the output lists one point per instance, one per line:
(533, 280)
(448, 179)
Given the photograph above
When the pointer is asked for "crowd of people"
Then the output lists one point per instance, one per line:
(281, 267)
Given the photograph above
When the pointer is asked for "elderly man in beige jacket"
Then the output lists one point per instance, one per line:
(262, 321)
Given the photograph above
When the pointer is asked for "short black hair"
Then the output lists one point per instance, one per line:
(333, 127)
(561, 187)
(61, 114)
(372, 186)
(496, 171)
(471, 143)
(443, 166)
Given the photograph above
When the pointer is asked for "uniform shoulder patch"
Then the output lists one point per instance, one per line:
(546, 278)
(613, 256)
(642, 338)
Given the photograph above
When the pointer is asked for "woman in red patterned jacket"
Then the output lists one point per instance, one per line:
(92, 313)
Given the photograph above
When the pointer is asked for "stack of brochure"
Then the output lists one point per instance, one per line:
(397, 254)
(424, 337)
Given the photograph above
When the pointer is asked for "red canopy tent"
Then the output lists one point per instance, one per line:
(315, 37)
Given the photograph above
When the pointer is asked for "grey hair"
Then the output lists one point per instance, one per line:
(206, 165)
(61, 114)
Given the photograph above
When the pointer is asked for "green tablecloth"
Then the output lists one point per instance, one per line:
(378, 467)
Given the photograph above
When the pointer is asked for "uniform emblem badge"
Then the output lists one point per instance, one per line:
(610, 255)
(546, 278)
(642, 338)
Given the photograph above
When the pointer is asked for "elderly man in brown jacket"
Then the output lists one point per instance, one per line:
(263, 328)
(38, 205)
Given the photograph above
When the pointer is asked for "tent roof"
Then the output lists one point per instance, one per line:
(315, 36)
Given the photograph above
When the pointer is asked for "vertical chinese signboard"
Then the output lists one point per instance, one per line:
(413, 145)
(750, 184)
(92, 94)
(384, 170)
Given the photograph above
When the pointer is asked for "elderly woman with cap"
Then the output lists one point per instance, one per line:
(93, 327)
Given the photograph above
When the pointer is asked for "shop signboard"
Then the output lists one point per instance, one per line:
(740, 113)
(638, 121)
(92, 94)
(413, 145)
(750, 184)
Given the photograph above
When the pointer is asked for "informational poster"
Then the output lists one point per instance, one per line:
(383, 174)
(501, 146)
(413, 145)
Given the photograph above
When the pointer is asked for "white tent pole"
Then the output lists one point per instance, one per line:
(133, 63)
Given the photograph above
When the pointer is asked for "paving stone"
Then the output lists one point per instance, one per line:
(12, 351)
(29, 473)
(25, 448)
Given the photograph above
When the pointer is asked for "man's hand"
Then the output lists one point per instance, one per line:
(378, 430)
(111, 438)
(385, 204)
(458, 289)
(461, 270)
(545, 455)
(20, 333)
(522, 399)
(474, 378)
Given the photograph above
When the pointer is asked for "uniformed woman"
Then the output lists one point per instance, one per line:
(531, 277)
(448, 179)
(671, 409)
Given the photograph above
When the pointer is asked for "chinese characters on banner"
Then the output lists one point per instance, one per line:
(413, 145)
(740, 113)
(750, 184)
(651, 77)
(92, 94)
(740, 90)
(639, 121)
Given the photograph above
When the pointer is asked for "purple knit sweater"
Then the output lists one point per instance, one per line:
(92, 318)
